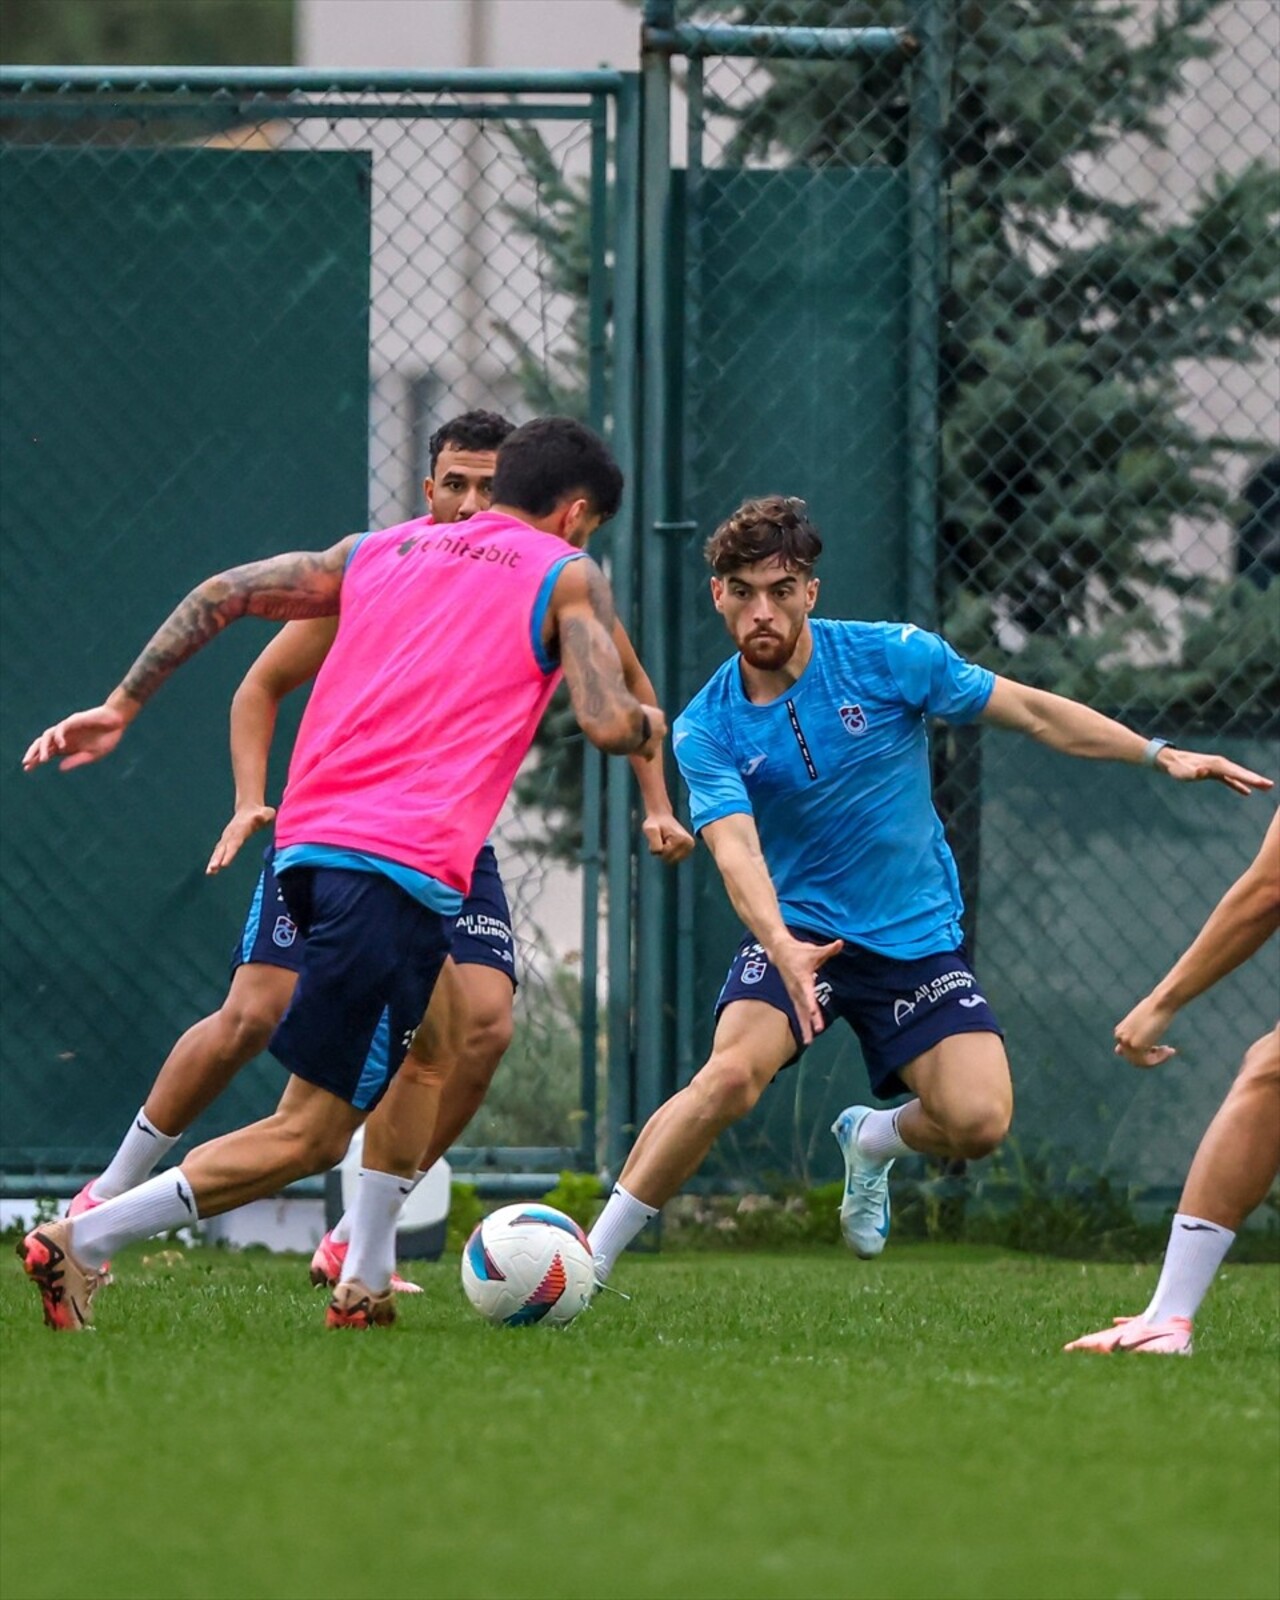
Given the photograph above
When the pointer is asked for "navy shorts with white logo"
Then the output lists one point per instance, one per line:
(371, 956)
(482, 936)
(898, 1009)
(270, 937)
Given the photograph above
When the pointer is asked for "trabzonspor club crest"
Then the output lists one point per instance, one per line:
(854, 719)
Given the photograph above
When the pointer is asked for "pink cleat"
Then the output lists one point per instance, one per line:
(326, 1268)
(354, 1305)
(83, 1202)
(66, 1287)
(1131, 1335)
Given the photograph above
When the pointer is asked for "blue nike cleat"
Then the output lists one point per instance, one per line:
(864, 1211)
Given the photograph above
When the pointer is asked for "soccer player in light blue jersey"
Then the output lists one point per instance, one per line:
(807, 761)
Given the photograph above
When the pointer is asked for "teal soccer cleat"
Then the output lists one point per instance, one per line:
(864, 1211)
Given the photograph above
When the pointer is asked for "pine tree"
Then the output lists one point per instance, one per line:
(1064, 459)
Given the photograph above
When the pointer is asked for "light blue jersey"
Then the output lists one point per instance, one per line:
(836, 776)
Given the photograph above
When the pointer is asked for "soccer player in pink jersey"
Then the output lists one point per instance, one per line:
(1239, 1156)
(449, 645)
(469, 1023)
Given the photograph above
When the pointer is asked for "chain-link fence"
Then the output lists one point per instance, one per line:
(235, 310)
(992, 287)
(996, 292)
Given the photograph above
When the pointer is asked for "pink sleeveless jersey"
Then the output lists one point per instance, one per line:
(428, 701)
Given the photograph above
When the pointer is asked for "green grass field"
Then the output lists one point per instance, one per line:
(765, 1425)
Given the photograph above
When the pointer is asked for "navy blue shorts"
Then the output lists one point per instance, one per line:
(898, 1009)
(270, 937)
(371, 956)
(482, 937)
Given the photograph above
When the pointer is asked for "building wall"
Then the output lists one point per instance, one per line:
(416, 35)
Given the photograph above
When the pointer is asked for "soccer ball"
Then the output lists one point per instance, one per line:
(528, 1263)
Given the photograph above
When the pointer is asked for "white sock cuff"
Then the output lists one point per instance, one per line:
(156, 1206)
(385, 1184)
(141, 1149)
(1194, 1254)
(144, 1122)
(649, 1211)
(1190, 1224)
(878, 1137)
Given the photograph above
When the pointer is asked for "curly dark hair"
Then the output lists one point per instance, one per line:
(550, 457)
(473, 430)
(773, 525)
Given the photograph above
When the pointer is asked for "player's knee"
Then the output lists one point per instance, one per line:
(248, 1025)
(488, 1039)
(1260, 1068)
(324, 1147)
(727, 1089)
(251, 1013)
(980, 1131)
(423, 1072)
(308, 1145)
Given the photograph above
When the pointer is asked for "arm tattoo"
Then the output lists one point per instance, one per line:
(578, 645)
(600, 595)
(305, 584)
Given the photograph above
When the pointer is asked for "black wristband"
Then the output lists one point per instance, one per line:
(646, 730)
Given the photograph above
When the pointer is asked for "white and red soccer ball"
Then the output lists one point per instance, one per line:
(528, 1263)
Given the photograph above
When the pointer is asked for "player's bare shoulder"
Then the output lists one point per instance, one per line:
(582, 586)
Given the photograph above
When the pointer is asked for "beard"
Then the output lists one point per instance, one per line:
(768, 652)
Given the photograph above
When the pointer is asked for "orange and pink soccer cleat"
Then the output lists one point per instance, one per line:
(354, 1305)
(66, 1288)
(326, 1268)
(1133, 1336)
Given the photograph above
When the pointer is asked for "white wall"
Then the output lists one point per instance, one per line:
(416, 35)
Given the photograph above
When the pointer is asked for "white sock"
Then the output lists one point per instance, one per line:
(140, 1150)
(371, 1256)
(341, 1233)
(161, 1203)
(1195, 1253)
(878, 1137)
(617, 1225)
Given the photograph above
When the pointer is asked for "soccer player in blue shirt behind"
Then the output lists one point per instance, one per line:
(807, 761)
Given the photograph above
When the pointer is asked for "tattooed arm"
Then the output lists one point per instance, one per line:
(580, 623)
(302, 584)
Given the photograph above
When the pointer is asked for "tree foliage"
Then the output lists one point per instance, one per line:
(1068, 315)
(147, 32)
(1069, 318)
(555, 216)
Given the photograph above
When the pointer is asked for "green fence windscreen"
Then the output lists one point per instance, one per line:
(797, 380)
(212, 409)
(1080, 912)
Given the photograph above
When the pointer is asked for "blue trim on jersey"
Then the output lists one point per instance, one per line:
(377, 1064)
(540, 611)
(428, 891)
(835, 774)
(253, 921)
(351, 553)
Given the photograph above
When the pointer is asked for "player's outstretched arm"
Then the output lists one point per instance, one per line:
(292, 658)
(735, 844)
(1240, 924)
(300, 584)
(666, 835)
(581, 619)
(1077, 730)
